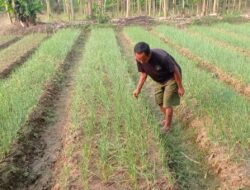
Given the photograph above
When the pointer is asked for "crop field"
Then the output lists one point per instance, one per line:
(21, 91)
(92, 133)
(18, 52)
(203, 97)
(243, 30)
(236, 41)
(228, 60)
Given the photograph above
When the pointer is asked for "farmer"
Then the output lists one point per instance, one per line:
(164, 70)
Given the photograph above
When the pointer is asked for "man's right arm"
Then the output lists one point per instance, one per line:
(143, 77)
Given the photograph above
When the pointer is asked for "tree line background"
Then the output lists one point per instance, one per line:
(25, 11)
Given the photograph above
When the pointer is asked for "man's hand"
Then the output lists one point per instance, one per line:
(136, 93)
(181, 91)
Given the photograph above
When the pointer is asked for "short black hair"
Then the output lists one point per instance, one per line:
(142, 47)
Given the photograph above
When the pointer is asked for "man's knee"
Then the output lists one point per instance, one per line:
(169, 107)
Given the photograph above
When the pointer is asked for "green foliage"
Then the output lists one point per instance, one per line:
(20, 93)
(6, 4)
(219, 32)
(99, 15)
(228, 60)
(117, 128)
(26, 10)
(208, 96)
(18, 50)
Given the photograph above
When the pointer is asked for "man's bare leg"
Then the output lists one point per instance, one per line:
(163, 110)
(168, 116)
(168, 119)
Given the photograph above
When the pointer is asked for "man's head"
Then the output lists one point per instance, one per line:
(142, 52)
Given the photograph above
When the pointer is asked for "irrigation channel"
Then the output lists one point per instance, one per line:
(32, 160)
(8, 43)
(47, 152)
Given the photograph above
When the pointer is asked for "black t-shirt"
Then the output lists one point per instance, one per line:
(160, 66)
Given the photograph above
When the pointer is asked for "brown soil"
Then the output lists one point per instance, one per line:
(232, 175)
(70, 156)
(138, 20)
(30, 163)
(16, 29)
(235, 84)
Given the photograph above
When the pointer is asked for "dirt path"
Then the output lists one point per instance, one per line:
(30, 164)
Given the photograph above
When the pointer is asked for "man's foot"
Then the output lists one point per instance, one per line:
(165, 130)
(162, 123)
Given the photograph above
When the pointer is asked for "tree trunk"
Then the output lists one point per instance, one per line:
(8, 12)
(203, 8)
(160, 7)
(234, 3)
(48, 9)
(81, 6)
(226, 6)
(90, 13)
(13, 3)
(207, 8)
(127, 8)
(239, 7)
(117, 7)
(165, 8)
(153, 6)
(149, 7)
(138, 7)
(65, 7)
(183, 8)
(214, 7)
(174, 7)
(198, 10)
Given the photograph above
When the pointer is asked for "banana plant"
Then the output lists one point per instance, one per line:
(25, 11)
(6, 4)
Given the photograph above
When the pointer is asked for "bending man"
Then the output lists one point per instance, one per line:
(164, 70)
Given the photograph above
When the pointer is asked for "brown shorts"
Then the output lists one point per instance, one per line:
(166, 94)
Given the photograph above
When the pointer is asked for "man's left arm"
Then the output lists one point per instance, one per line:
(178, 79)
